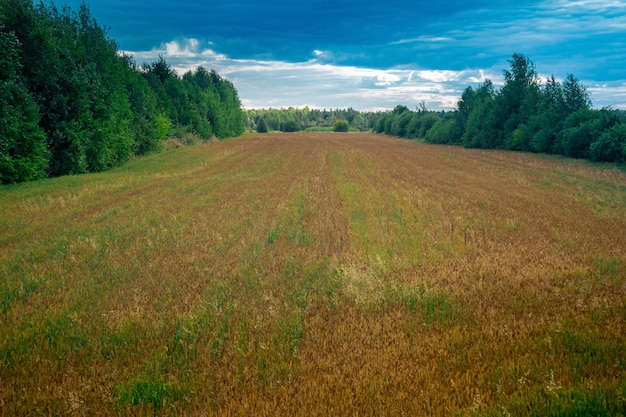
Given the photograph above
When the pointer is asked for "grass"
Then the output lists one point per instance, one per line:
(316, 274)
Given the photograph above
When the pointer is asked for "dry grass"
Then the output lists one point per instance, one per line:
(316, 274)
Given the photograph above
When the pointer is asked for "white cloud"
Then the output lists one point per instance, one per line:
(387, 79)
(268, 83)
(423, 39)
(187, 48)
(439, 76)
(608, 94)
(323, 56)
(481, 78)
(594, 6)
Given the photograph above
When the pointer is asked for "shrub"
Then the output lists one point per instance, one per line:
(442, 132)
(290, 126)
(610, 146)
(341, 125)
(582, 128)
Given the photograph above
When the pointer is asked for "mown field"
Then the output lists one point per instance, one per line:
(316, 274)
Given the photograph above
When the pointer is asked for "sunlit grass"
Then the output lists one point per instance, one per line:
(316, 274)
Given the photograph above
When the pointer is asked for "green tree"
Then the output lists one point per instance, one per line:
(480, 127)
(160, 69)
(444, 131)
(81, 106)
(400, 123)
(421, 123)
(546, 124)
(145, 124)
(194, 107)
(517, 102)
(23, 151)
(224, 106)
(575, 95)
(610, 146)
(465, 106)
(58, 85)
(584, 127)
(556, 103)
(77, 80)
(379, 126)
(290, 126)
(261, 126)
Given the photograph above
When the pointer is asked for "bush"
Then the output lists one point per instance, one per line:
(582, 128)
(400, 123)
(610, 146)
(341, 125)
(290, 126)
(442, 132)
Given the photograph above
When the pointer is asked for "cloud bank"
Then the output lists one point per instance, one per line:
(318, 83)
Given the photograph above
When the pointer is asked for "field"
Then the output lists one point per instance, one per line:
(316, 274)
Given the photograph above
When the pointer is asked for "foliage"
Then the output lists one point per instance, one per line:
(522, 115)
(610, 146)
(261, 126)
(290, 126)
(582, 128)
(310, 119)
(341, 125)
(443, 131)
(23, 152)
(73, 103)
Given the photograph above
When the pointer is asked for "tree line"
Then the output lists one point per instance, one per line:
(295, 119)
(71, 103)
(524, 114)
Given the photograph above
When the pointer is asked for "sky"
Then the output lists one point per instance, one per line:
(373, 55)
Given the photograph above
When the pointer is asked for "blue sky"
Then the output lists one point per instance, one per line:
(374, 55)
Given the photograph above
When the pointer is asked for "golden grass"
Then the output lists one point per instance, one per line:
(316, 274)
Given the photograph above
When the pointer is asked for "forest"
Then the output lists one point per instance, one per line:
(523, 115)
(295, 119)
(72, 103)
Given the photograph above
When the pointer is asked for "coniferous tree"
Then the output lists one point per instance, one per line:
(261, 126)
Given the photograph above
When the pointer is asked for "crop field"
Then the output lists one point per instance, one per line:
(316, 274)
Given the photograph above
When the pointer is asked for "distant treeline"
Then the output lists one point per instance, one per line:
(523, 115)
(294, 119)
(70, 102)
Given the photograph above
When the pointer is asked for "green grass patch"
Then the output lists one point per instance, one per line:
(153, 393)
(292, 222)
(433, 306)
(578, 402)
(319, 129)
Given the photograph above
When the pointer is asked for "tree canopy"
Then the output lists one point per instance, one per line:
(309, 119)
(524, 114)
(72, 103)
